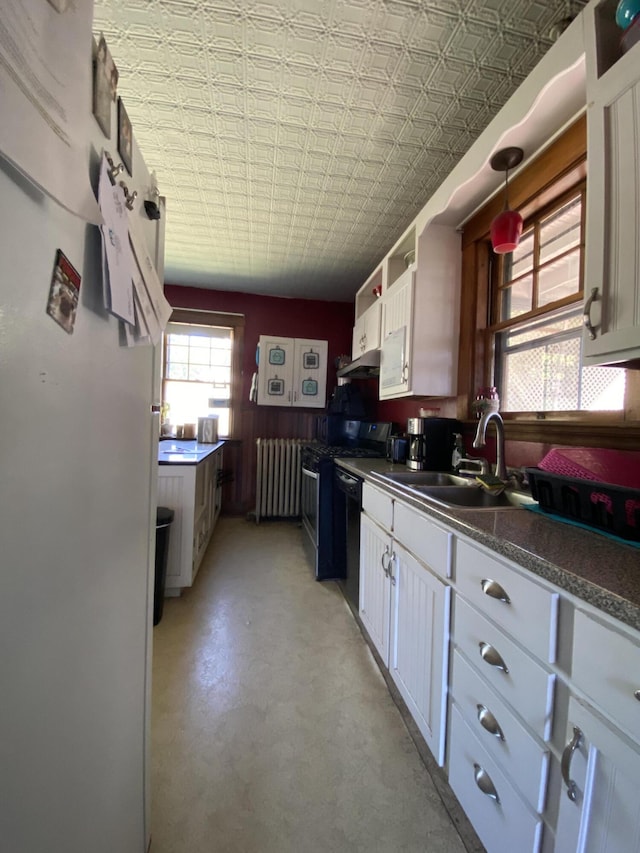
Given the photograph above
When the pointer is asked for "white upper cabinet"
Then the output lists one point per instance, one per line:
(612, 272)
(292, 372)
(366, 332)
(420, 319)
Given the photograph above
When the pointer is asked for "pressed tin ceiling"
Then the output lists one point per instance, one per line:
(296, 140)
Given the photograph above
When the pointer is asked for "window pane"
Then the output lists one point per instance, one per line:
(543, 379)
(197, 373)
(516, 299)
(539, 369)
(560, 278)
(519, 261)
(560, 231)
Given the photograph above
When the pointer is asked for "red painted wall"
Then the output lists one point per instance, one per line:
(272, 315)
(268, 315)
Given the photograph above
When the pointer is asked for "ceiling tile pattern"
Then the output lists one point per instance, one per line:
(296, 140)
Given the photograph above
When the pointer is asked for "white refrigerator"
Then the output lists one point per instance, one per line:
(78, 454)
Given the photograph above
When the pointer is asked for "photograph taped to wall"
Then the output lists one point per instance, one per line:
(63, 294)
(125, 138)
(105, 85)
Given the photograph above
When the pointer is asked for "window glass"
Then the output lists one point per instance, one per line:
(538, 369)
(197, 373)
(559, 278)
(560, 231)
(517, 298)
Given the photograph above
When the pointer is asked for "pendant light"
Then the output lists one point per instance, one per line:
(506, 228)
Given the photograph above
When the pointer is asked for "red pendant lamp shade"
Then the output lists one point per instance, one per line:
(506, 228)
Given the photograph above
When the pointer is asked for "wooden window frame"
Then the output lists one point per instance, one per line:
(558, 169)
(230, 321)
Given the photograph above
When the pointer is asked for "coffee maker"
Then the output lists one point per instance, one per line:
(430, 443)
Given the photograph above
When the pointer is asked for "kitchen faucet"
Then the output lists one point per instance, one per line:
(481, 439)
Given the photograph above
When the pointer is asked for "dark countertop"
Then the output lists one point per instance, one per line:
(181, 452)
(590, 566)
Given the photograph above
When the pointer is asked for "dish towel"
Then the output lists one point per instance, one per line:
(564, 520)
(253, 391)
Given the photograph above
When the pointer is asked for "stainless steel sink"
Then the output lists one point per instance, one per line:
(418, 479)
(470, 497)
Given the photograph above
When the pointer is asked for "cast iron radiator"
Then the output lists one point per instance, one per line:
(278, 477)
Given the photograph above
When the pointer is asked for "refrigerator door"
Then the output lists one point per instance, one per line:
(77, 527)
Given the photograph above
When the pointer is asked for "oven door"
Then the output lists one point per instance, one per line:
(309, 504)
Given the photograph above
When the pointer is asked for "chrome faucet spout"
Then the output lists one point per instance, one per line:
(481, 439)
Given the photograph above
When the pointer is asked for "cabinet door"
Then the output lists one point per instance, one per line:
(375, 586)
(275, 374)
(419, 645)
(397, 337)
(602, 772)
(359, 337)
(309, 373)
(613, 214)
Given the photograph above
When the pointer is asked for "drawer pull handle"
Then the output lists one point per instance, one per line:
(485, 783)
(489, 722)
(637, 695)
(494, 590)
(492, 656)
(565, 764)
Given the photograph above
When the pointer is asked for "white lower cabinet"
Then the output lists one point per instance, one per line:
(539, 716)
(193, 492)
(405, 609)
(501, 817)
(375, 586)
(599, 807)
(419, 645)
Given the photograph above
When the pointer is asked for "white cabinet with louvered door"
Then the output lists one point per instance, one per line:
(599, 805)
(420, 605)
(376, 557)
(612, 267)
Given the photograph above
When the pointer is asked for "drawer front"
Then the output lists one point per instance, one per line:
(503, 736)
(531, 611)
(526, 686)
(503, 824)
(606, 666)
(378, 505)
(429, 542)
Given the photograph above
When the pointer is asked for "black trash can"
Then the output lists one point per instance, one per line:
(164, 517)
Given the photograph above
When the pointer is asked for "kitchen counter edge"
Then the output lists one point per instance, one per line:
(184, 452)
(591, 567)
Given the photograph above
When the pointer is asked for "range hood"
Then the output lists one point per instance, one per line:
(365, 367)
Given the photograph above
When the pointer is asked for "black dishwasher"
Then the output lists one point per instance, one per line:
(348, 504)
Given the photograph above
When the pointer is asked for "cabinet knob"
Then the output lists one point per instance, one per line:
(485, 782)
(492, 656)
(494, 590)
(489, 722)
(565, 764)
(637, 695)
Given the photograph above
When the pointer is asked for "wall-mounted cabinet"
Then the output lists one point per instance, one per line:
(292, 372)
(612, 273)
(420, 319)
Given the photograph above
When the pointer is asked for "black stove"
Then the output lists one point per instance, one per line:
(356, 439)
